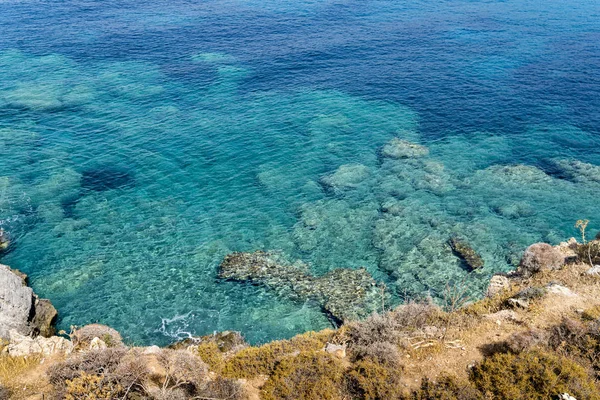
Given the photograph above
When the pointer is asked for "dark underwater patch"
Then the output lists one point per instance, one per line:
(101, 179)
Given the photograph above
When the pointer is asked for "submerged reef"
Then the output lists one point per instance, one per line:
(116, 166)
(345, 294)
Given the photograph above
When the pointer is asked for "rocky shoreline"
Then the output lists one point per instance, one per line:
(94, 361)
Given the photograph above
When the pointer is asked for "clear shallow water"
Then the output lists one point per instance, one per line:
(141, 143)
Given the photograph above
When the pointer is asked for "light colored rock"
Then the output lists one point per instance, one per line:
(504, 316)
(399, 148)
(21, 309)
(498, 283)
(595, 270)
(336, 349)
(21, 345)
(560, 290)
(567, 249)
(16, 302)
(540, 257)
(97, 344)
(518, 303)
(151, 350)
(566, 396)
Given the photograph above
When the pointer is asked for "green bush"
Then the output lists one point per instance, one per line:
(307, 376)
(370, 380)
(252, 361)
(446, 388)
(532, 375)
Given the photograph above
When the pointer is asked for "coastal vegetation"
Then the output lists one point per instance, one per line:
(536, 335)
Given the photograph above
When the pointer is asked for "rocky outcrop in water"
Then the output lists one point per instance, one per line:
(466, 253)
(4, 240)
(20, 309)
(345, 294)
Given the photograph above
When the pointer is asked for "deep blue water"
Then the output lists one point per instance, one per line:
(140, 143)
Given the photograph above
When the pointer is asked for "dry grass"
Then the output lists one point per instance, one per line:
(11, 368)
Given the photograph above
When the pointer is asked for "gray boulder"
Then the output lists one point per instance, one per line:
(20, 309)
(540, 257)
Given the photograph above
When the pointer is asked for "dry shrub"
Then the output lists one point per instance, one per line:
(567, 334)
(92, 387)
(307, 376)
(183, 371)
(446, 388)
(532, 375)
(589, 253)
(222, 388)
(527, 340)
(579, 341)
(253, 361)
(83, 336)
(390, 327)
(96, 362)
(380, 335)
(382, 352)
(132, 373)
(370, 380)
(106, 370)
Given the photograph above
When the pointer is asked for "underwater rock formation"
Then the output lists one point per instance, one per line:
(347, 176)
(106, 178)
(345, 294)
(399, 148)
(20, 309)
(466, 253)
(576, 171)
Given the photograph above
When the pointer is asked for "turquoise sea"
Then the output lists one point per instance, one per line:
(141, 142)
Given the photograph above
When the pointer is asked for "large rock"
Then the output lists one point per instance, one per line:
(540, 257)
(498, 284)
(4, 240)
(16, 302)
(84, 336)
(20, 309)
(23, 345)
(44, 317)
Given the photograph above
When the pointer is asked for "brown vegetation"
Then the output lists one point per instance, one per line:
(529, 341)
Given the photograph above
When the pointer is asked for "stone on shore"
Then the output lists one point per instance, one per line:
(540, 257)
(23, 345)
(498, 283)
(20, 309)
